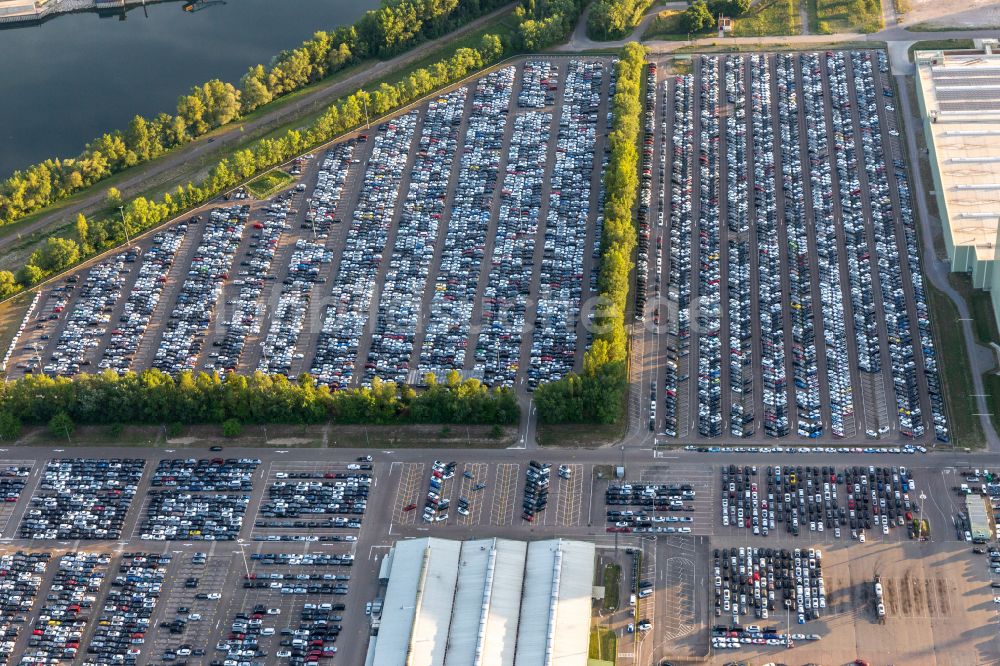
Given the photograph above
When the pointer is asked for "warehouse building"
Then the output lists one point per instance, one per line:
(959, 97)
(488, 602)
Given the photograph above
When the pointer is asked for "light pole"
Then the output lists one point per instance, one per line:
(246, 566)
(121, 211)
(365, 100)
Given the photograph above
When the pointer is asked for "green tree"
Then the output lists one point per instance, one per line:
(254, 87)
(82, 228)
(113, 198)
(10, 426)
(61, 425)
(8, 285)
(231, 428)
(697, 18)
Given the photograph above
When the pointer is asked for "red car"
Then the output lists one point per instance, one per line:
(409, 507)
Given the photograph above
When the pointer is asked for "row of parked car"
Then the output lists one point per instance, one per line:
(709, 273)
(449, 321)
(323, 206)
(346, 316)
(762, 580)
(64, 617)
(317, 498)
(554, 336)
(505, 299)
(738, 284)
(645, 199)
(436, 505)
(536, 489)
(401, 302)
(835, 338)
(278, 349)
(539, 83)
(173, 515)
(679, 246)
(916, 279)
(805, 372)
(119, 354)
(88, 318)
(205, 474)
(12, 481)
(82, 498)
(20, 578)
(246, 310)
(128, 607)
(808, 496)
(303, 559)
(184, 333)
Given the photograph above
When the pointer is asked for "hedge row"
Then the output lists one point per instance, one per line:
(154, 397)
(597, 395)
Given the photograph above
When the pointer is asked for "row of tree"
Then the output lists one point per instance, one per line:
(597, 394)
(541, 23)
(614, 19)
(98, 235)
(397, 26)
(153, 397)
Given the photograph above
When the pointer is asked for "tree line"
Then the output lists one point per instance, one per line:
(541, 23)
(381, 33)
(596, 396)
(154, 397)
(614, 19)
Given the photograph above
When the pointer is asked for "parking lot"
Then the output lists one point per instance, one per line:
(438, 240)
(186, 594)
(783, 232)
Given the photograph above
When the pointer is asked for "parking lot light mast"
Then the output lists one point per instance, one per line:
(121, 211)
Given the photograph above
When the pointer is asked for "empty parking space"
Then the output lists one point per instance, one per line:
(505, 500)
(188, 617)
(410, 483)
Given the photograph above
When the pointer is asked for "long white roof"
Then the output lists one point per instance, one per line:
(488, 602)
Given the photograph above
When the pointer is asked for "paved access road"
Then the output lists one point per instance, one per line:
(576, 510)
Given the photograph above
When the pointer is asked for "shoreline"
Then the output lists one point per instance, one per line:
(58, 8)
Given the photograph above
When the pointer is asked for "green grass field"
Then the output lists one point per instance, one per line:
(603, 645)
(612, 586)
(665, 26)
(956, 377)
(830, 16)
(267, 184)
(769, 17)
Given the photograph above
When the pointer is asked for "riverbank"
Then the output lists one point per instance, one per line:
(57, 7)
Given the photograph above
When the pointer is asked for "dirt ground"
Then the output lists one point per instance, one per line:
(965, 14)
(939, 608)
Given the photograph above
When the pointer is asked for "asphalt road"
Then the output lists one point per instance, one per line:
(223, 141)
(400, 477)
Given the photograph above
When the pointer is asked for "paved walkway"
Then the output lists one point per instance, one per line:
(981, 358)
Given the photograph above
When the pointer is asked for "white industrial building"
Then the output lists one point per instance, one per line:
(487, 602)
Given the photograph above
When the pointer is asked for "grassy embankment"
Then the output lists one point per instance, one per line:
(17, 254)
(269, 183)
(827, 17)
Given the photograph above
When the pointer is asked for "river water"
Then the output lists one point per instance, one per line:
(76, 76)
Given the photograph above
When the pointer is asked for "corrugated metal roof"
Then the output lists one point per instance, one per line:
(505, 604)
(489, 602)
(471, 601)
(572, 618)
(435, 600)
